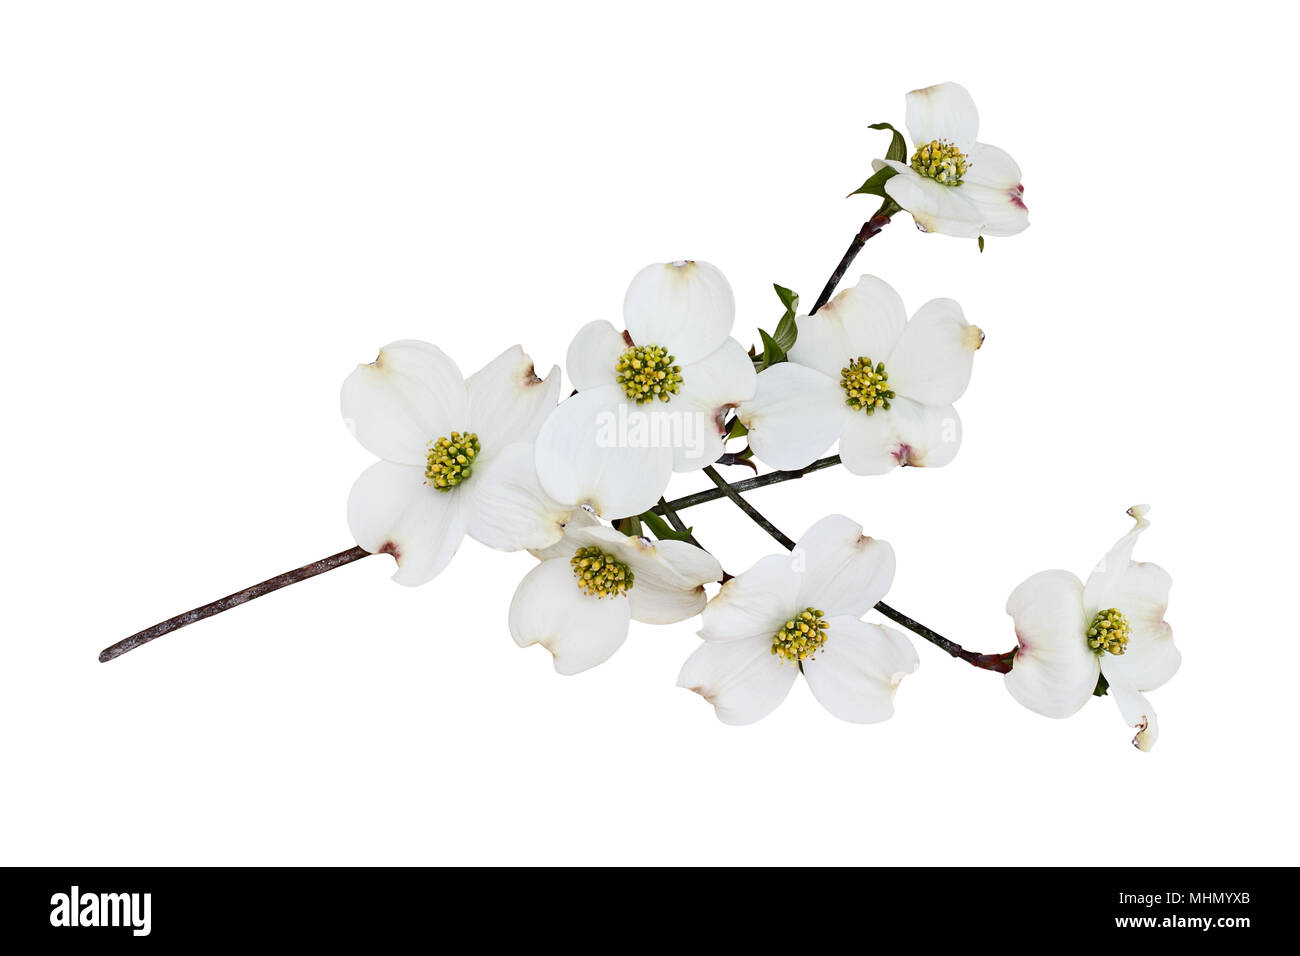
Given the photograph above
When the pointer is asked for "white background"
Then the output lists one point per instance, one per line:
(212, 212)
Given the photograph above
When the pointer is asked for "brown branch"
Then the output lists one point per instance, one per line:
(232, 600)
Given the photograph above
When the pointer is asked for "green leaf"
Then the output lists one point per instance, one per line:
(981, 243)
(875, 186)
(788, 299)
(662, 529)
(787, 330)
(1103, 685)
(738, 429)
(897, 145)
(773, 354)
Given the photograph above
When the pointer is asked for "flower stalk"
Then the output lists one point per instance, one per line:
(871, 227)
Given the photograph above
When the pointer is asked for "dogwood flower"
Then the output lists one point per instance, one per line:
(953, 184)
(1113, 627)
(577, 603)
(800, 612)
(861, 373)
(650, 400)
(457, 456)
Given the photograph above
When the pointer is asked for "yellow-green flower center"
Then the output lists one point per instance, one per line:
(1109, 632)
(647, 372)
(801, 637)
(600, 574)
(941, 161)
(865, 385)
(451, 460)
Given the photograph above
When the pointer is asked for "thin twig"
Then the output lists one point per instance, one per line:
(1001, 663)
(232, 600)
(869, 228)
(762, 481)
(745, 506)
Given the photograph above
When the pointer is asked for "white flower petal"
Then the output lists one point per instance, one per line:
(1133, 707)
(1002, 212)
(1054, 672)
(864, 320)
(932, 361)
(504, 504)
(578, 520)
(392, 510)
(992, 167)
(743, 680)
(1140, 591)
(593, 355)
(666, 605)
(693, 565)
(508, 402)
(409, 396)
(671, 588)
(795, 415)
(710, 388)
(934, 206)
(944, 112)
(1107, 578)
(686, 307)
(579, 630)
(598, 451)
(754, 604)
(855, 674)
(908, 433)
(843, 572)
(1150, 658)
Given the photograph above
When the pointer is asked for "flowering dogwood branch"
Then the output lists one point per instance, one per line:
(497, 457)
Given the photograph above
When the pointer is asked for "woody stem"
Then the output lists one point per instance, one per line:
(140, 638)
